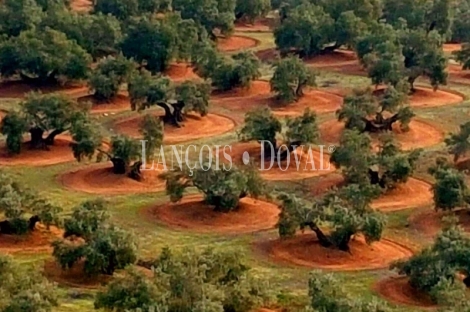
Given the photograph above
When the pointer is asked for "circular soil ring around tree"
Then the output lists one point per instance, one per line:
(236, 43)
(119, 103)
(399, 291)
(336, 58)
(18, 89)
(317, 100)
(429, 222)
(193, 128)
(58, 153)
(179, 72)
(73, 277)
(100, 179)
(311, 163)
(260, 25)
(451, 47)
(257, 88)
(38, 240)
(194, 215)
(427, 97)
(81, 5)
(420, 134)
(412, 194)
(304, 250)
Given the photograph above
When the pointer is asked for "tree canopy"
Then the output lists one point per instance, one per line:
(190, 280)
(251, 10)
(222, 188)
(458, 144)
(262, 126)
(290, 78)
(345, 212)
(19, 15)
(22, 208)
(103, 247)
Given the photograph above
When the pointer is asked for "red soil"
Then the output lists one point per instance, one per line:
(100, 179)
(73, 277)
(194, 215)
(257, 26)
(60, 152)
(399, 291)
(236, 43)
(267, 55)
(426, 97)
(304, 250)
(281, 171)
(333, 59)
(420, 134)
(38, 240)
(117, 104)
(458, 74)
(2, 114)
(181, 72)
(256, 88)
(412, 194)
(429, 222)
(451, 47)
(195, 127)
(18, 89)
(317, 100)
(81, 5)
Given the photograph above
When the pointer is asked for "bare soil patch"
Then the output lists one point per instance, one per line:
(36, 241)
(317, 100)
(256, 88)
(412, 194)
(119, 103)
(398, 290)
(100, 179)
(342, 61)
(193, 128)
(458, 74)
(236, 43)
(420, 134)
(427, 97)
(429, 222)
(73, 277)
(261, 25)
(451, 47)
(18, 89)
(194, 215)
(2, 114)
(180, 72)
(81, 5)
(60, 152)
(304, 250)
(310, 165)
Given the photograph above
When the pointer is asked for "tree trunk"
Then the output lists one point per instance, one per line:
(169, 117)
(267, 149)
(411, 81)
(32, 222)
(119, 166)
(343, 244)
(322, 238)
(37, 142)
(135, 172)
(299, 90)
(379, 124)
(49, 140)
(290, 148)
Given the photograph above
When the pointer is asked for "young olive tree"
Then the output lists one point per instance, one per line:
(103, 248)
(458, 144)
(262, 126)
(221, 188)
(290, 78)
(22, 208)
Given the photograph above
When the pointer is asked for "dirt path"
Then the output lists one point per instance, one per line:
(399, 291)
(99, 179)
(300, 165)
(195, 127)
(421, 134)
(60, 152)
(236, 43)
(304, 250)
(194, 215)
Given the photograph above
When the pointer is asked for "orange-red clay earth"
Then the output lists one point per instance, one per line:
(36, 241)
(100, 179)
(236, 43)
(304, 250)
(119, 103)
(179, 72)
(303, 163)
(193, 128)
(420, 134)
(398, 290)
(18, 89)
(429, 222)
(194, 215)
(412, 194)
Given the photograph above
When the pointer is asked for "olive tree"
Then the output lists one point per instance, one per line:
(176, 101)
(251, 10)
(346, 212)
(363, 111)
(181, 281)
(109, 75)
(103, 248)
(43, 56)
(19, 15)
(262, 126)
(22, 208)
(290, 78)
(44, 117)
(222, 188)
(25, 289)
(121, 9)
(458, 143)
